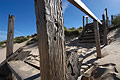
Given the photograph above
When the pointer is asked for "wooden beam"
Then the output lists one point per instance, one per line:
(50, 32)
(105, 30)
(97, 39)
(10, 35)
(80, 5)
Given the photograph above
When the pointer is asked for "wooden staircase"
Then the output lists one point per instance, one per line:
(88, 34)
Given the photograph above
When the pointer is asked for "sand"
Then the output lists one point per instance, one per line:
(81, 56)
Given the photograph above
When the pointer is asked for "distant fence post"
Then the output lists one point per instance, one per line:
(50, 32)
(107, 18)
(86, 19)
(105, 30)
(97, 39)
(83, 22)
(111, 19)
(10, 35)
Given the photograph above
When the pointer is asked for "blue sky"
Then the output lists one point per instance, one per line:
(25, 22)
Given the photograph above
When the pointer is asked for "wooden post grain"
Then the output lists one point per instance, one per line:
(97, 39)
(10, 35)
(10, 41)
(50, 32)
(83, 22)
(105, 30)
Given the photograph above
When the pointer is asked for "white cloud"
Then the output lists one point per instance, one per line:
(65, 6)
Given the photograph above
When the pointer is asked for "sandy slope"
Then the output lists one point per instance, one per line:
(110, 64)
(79, 55)
(3, 50)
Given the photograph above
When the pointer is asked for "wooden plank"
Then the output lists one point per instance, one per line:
(97, 39)
(105, 30)
(23, 71)
(33, 63)
(50, 32)
(11, 56)
(79, 4)
(10, 35)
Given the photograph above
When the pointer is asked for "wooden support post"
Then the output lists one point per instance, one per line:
(111, 19)
(87, 20)
(107, 18)
(83, 22)
(10, 35)
(106, 12)
(10, 41)
(105, 30)
(97, 39)
(50, 32)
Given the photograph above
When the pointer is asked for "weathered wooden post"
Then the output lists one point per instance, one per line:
(105, 31)
(10, 35)
(86, 19)
(106, 12)
(50, 32)
(111, 19)
(10, 41)
(83, 22)
(97, 39)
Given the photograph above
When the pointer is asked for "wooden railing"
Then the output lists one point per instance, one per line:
(79, 4)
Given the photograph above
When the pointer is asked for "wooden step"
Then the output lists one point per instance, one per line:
(88, 37)
(23, 71)
(92, 33)
(90, 41)
(92, 29)
(92, 25)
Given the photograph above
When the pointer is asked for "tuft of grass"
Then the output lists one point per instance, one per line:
(20, 39)
(73, 31)
(33, 40)
(116, 20)
(3, 43)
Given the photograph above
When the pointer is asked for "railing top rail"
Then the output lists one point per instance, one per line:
(79, 4)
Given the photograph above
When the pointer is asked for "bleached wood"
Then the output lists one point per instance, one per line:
(105, 30)
(79, 4)
(50, 32)
(10, 35)
(97, 39)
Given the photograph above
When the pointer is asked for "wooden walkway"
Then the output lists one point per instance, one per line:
(24, 71)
